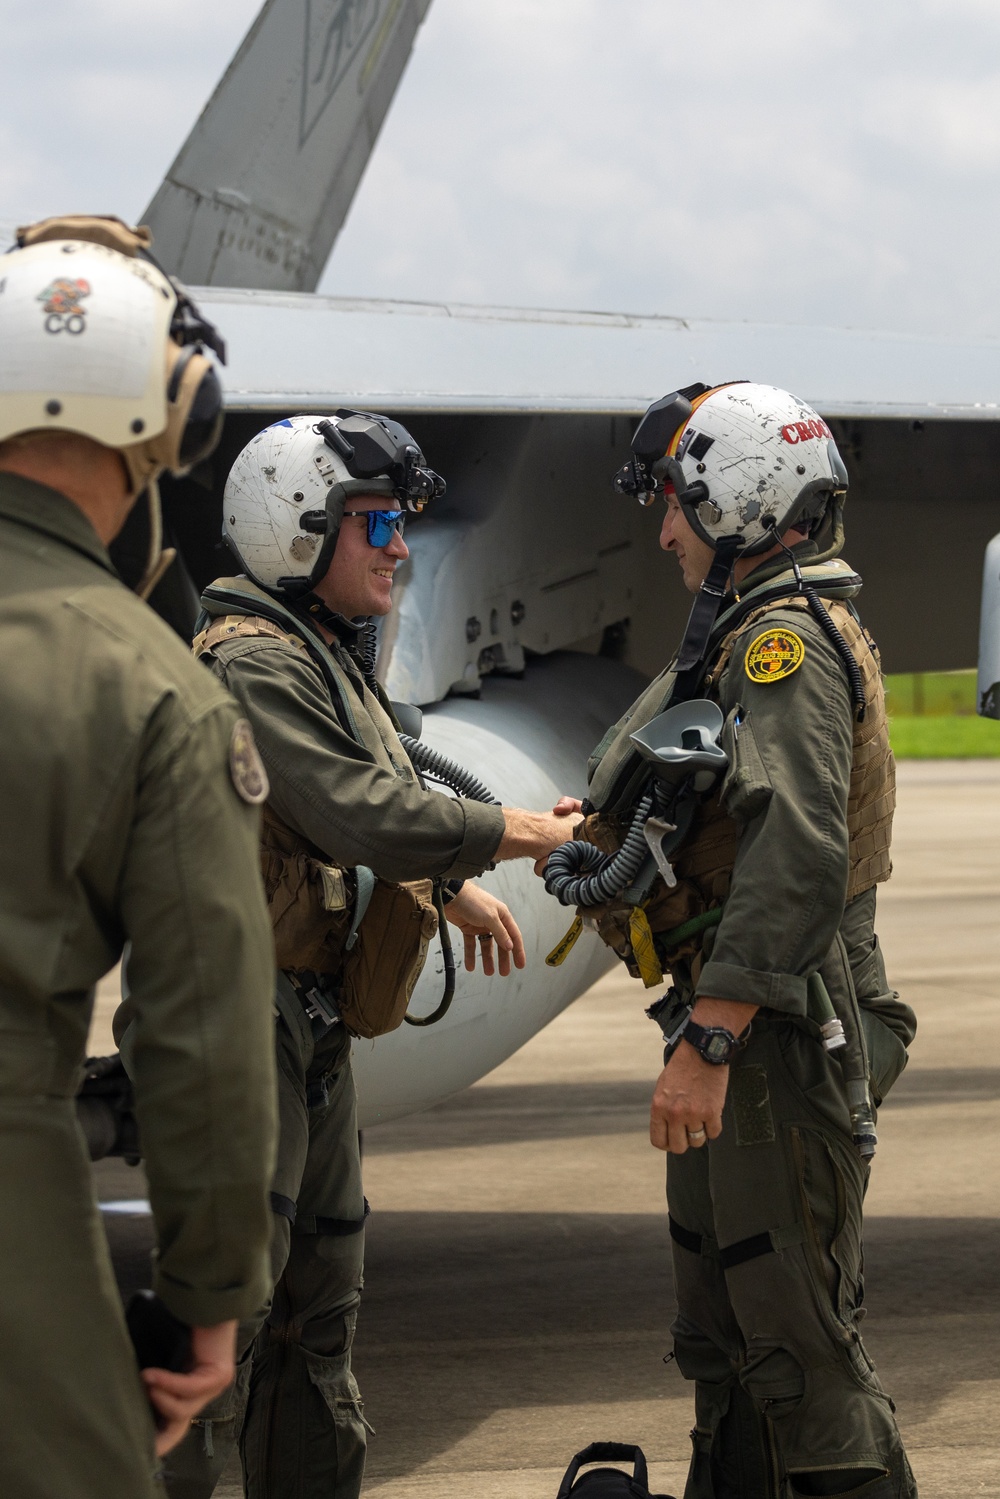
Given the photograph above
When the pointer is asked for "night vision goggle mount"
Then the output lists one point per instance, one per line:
(681, 747)
(649, 468)
(374, 447)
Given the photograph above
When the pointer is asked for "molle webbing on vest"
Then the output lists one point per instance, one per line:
(871, 797)
(229, 625)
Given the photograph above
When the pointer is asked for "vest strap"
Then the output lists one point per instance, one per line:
(365, 885)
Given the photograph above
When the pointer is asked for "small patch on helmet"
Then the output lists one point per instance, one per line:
(774, 655)
(62, 303)
(700, 446)
(245, 765)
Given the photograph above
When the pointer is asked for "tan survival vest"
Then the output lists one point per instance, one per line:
(652, 937)
(369, 933)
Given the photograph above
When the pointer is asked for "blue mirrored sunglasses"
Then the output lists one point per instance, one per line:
(382, 525)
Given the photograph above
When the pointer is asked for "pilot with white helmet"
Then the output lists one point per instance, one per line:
(129, 791)
(782, 1033)
(357, 854)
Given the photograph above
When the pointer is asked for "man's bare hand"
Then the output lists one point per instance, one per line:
(533, 835)
(479, 915)
(690, 1093)
(177, 1398)
(566, 805)
(688, 1099)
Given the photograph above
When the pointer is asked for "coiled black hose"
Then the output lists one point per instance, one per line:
(442, 769)
(366, 652)
(826, 624)
(578, 874)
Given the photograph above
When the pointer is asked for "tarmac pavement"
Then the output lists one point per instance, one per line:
(518, 1297)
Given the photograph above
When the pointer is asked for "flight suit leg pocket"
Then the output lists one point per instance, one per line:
(887, 1056)
(334, 1382)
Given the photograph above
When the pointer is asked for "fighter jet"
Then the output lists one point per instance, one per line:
(534, 596)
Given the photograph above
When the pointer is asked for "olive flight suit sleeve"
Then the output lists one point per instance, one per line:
(790, 742)
(333, 790)
(201, 978)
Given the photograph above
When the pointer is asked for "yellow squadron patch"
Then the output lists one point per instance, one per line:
(245, 765)
(773, 655)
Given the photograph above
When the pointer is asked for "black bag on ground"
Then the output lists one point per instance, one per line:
(608, 1483)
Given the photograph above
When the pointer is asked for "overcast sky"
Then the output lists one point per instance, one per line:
(805, 161)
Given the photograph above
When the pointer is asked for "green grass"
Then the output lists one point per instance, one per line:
(943, 737)
(932, 716)
(931, 692)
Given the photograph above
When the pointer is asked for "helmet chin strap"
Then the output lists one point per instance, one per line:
(157, 559)
(704, 612)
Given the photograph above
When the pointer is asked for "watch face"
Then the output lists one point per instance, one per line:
(717, 1048)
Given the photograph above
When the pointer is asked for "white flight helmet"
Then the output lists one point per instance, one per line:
(285, 494)
(745, 461)
(95, 339)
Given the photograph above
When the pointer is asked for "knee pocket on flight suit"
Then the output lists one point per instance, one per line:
(698, 1357)
(776, 1380)
(338, 1388)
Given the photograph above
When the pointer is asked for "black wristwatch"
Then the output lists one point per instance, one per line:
(713, 1043)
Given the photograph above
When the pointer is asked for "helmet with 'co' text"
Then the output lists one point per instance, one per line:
(95, 339)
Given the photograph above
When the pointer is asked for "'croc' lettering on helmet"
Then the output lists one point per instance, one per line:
(805, 431)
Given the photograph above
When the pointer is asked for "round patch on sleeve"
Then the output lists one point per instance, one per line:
(245, 765)
(774, 655)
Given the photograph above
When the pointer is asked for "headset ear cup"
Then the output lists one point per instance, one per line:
(194, 419)
(194, 411)
(204, 413)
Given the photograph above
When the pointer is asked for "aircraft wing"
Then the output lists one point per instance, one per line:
(305, 351)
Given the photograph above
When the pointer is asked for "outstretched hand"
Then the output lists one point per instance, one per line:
(566, 806)
(177, 1398)
(485, 921)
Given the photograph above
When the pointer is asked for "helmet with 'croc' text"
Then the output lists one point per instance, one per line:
(286, 492)
(745, 461)
(95, 339)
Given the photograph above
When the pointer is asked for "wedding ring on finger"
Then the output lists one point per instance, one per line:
(696, 1136)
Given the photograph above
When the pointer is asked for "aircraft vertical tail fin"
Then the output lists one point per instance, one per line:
(262, 185)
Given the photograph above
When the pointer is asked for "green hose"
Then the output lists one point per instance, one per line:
(691, 928)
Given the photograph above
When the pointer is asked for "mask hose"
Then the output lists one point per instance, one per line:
(821, 615)
(439, 768)
(578, 874)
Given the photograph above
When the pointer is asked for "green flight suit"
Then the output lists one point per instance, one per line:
(121, 822)
(766, 1220)
(339, 777)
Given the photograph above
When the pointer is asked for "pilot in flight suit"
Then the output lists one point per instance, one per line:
(768, 936)
(129, 787)
(347, 810)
